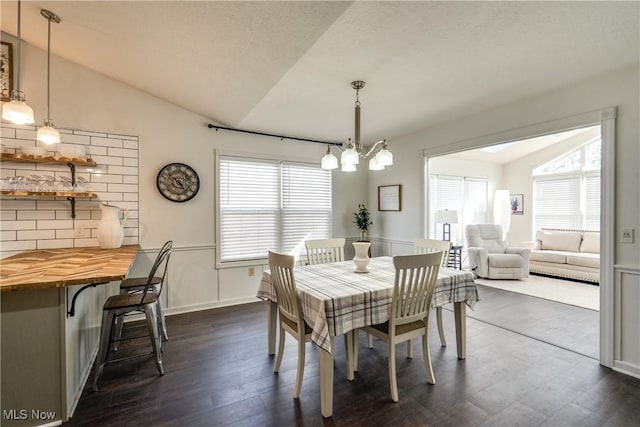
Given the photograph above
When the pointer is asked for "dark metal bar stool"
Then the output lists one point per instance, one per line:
(117, 306)
(132, 285)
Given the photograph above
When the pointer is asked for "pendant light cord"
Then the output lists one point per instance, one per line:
(19, 56)
(48, 68)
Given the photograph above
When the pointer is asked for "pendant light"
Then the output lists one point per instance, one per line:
(350, 157)
(48, 134)
(17, 110)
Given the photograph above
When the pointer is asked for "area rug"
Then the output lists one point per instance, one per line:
(564, 291)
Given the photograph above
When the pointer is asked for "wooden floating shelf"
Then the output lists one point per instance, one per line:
(32, 158)
(24, 193)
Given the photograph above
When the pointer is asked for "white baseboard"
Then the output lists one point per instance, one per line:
(626, 368)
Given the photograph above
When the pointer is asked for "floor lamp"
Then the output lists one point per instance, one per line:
(446, 218)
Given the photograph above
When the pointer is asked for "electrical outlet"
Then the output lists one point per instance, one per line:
(252, 271)
(78, 230)
(627, 235)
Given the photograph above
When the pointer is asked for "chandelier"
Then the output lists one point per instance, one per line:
(350, 157)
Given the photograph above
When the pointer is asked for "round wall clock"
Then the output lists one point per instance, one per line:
(178, 182)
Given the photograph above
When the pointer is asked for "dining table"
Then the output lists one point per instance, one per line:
(337, 301)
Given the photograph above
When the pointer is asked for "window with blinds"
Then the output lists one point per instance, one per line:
(567, 190)
(268, 204)
(466, 195)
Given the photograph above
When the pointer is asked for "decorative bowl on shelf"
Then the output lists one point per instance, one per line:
(71, 150)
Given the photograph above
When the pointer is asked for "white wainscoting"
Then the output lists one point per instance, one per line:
(626, 356)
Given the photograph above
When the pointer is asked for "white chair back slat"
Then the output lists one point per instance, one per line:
(324, 251)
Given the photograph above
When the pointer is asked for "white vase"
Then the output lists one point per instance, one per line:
(361, 260)
(110, 232)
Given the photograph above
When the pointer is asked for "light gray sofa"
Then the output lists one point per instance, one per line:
(570, 254)
(489, 255)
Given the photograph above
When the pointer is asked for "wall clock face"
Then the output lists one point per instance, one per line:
(178, 182)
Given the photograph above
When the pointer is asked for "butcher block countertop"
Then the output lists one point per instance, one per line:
(56, 268)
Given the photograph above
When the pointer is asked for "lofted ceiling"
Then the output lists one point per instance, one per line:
(286, 67)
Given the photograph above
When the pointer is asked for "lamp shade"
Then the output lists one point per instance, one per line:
(346, 167)
(329, 161)
(48, 135)
(447, 217)
(350, 157)
(385, 157)
(374, 165)
(17, 112)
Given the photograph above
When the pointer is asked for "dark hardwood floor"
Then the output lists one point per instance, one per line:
(524, 367)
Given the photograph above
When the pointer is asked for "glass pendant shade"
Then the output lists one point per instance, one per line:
(329, 161)
(374, 165)
(17, 111)
(348, 167)
(385, 157)
(350, 157)
(48, 134)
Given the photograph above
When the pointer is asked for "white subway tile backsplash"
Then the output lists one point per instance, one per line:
(29, 134)
(106, 142)
(39, 214)
(106, 160)
(8, 215)
(11, 204)
(133, 143)
(80, 243)
(36, 234)
(124, 188)
(122, 152)
(75, 139)
(18, 225)
(9, 133)
(18, 245)
(84, 132)
(92, 150)
(55, 224)
(55, 243)
(123, 170)
(126, 161)
(46, 223)
(8, 235)
(118, 179)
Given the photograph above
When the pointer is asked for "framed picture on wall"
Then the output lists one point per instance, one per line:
(390, 198)
(516, 201)
(6, 71)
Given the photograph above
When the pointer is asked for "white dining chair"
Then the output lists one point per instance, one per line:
(323, 251)
(414, 284)
(290, 311)
(424, 246)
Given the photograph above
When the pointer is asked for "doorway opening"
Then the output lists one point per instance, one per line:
(555, 181)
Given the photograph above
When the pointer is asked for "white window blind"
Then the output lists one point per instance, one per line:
(557, 202)
(466, 195)
(266, 204)
(592, 202)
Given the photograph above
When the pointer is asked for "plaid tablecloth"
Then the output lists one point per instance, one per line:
(335, 299)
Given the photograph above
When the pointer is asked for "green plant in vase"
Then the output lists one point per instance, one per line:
(362, 220)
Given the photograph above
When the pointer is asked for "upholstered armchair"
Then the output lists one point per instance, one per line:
(489, 255)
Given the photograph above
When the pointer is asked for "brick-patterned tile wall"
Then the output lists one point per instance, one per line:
(45, 222)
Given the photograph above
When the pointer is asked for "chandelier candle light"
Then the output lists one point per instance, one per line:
(350, 156)
(49, 134)
(17, 110)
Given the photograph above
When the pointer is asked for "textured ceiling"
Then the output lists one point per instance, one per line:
(286, 67)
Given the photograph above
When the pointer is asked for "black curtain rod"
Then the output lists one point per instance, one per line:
(216, 127)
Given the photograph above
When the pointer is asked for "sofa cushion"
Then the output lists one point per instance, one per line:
(590, 243)
(505, 261)
(585, 260)
(549, 256)
(559, 240)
